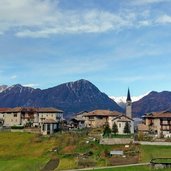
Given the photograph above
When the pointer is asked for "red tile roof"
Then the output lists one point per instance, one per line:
(39, 110)
(49, 121)
(163, 114)
(103, 113)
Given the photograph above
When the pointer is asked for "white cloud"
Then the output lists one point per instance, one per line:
(44, 18)
(146, 2)
(87, 21)
(144, 23)
(164, 19)
(25, 13)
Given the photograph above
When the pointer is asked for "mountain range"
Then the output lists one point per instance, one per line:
(71, 97)
(81, 95)
(153, 102)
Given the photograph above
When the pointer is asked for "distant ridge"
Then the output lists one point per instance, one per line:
(71, 97)
(153, 102)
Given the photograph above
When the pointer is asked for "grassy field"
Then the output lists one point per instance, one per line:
(26, 151)
(149, 152)
(23, 151)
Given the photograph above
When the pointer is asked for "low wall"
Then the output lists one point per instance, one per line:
(153, 143)
(112, 141)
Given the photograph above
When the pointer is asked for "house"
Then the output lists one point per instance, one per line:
(158, 123)
(99, 118)
(121, 121)
(49, 126)
(32, 117)
(143, 128)
(78, 121)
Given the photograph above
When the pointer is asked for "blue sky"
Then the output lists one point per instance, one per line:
(115, 44)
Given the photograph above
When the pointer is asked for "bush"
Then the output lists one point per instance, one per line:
(86, 163)
(106, 131)
(17, 127)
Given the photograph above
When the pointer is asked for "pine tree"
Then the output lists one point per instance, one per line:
(107, 131)
(127, 128)
(115, 128)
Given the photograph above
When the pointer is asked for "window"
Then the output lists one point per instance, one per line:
(43, 127)
(91, 117)
(119, 125)
(15, 114)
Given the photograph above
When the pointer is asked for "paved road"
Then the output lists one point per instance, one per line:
(108, 167)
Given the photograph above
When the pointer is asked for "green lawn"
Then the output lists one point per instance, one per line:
(149, 152)
(23, 151)
(22, 164)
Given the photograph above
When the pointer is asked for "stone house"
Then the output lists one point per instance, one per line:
(32, 117)
(158, 123)
(99, 118)
(78, 121)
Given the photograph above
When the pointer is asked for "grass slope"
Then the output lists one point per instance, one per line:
(26, 151)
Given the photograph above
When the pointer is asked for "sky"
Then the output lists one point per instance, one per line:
(115, 44)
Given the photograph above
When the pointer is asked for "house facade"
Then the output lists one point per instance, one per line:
(158, 123)
(32, 117)
(99, 118)
(78, 121)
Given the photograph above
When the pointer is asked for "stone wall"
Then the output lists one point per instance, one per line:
(112, 141)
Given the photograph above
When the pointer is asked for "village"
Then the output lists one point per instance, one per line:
(92, 139)
(50, 120)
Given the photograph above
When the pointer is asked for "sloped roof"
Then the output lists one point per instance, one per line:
(142, 127)
(103, 113)
(123, 118)
(4, 109)
(49, 110)
(49, 121)
(20, 109)
(163, 114)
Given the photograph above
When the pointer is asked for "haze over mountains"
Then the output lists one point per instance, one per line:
(74, 97)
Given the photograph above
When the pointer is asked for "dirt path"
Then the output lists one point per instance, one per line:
(51, 165)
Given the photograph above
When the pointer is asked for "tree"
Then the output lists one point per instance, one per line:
(115, 128)
(106, 131)
(127, 128)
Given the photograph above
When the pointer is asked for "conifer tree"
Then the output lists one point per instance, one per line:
(115, 128)
(107, 130)
(127, 128)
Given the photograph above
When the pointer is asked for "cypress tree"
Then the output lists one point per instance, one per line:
(107, 130)
(127, 128)
(115, 128)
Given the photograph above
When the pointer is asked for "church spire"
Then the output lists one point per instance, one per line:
(128, 96)
(129, 105)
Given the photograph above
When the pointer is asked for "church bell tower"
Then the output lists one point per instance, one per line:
(129, 105)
